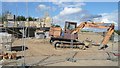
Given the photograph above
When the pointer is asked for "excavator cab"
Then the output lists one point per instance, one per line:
(57, 31)
(69, 27)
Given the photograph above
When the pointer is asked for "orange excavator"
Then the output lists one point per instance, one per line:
(71, 32)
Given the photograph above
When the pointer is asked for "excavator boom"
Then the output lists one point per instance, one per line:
(110, 30)
(91, 25)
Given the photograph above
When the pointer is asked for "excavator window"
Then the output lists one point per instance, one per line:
(71, 25)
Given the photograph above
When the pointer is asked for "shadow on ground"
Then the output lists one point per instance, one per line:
(18, 48)
(19, 57)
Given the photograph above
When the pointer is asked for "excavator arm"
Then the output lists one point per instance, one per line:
(110, 30)
(91, 25)
(109, 33)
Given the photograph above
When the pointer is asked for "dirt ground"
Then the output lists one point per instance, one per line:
(41, 52)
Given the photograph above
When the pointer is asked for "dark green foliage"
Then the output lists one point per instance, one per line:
(30, 18)
(0, 18)
(55, 25)
(20, 18)
(17, 18)
(117, 31)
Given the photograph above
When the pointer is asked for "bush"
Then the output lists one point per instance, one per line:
(53, 25)
(117, 31)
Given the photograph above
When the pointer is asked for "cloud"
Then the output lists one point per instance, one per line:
(69, 4)
(67, 11)
(103, 17)
(60, 0)
(73, 11)
(84, 0)
(22, 1)
(90, 17)
(109, 18)
(84, 15)
(70, 11)
(74, 17)
(43, 7)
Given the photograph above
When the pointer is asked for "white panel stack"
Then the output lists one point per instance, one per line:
(39, 35)
(47, 34)
(6, 40)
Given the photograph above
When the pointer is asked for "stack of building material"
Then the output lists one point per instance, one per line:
(47, 34)
(39, 34)
(5, 41)
(5, 37)
(9, 55)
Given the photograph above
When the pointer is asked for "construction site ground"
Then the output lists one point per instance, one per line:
(39, 52)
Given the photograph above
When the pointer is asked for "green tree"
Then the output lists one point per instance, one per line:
(0, 18)
(30, 18)
(23, 18)
(20, 18)
(57, 25)
(117, 31)
(54, 25)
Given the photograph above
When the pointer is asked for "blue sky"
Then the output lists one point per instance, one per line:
(92, 7)
(61, 11)
(32, 8)
(101, 7)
